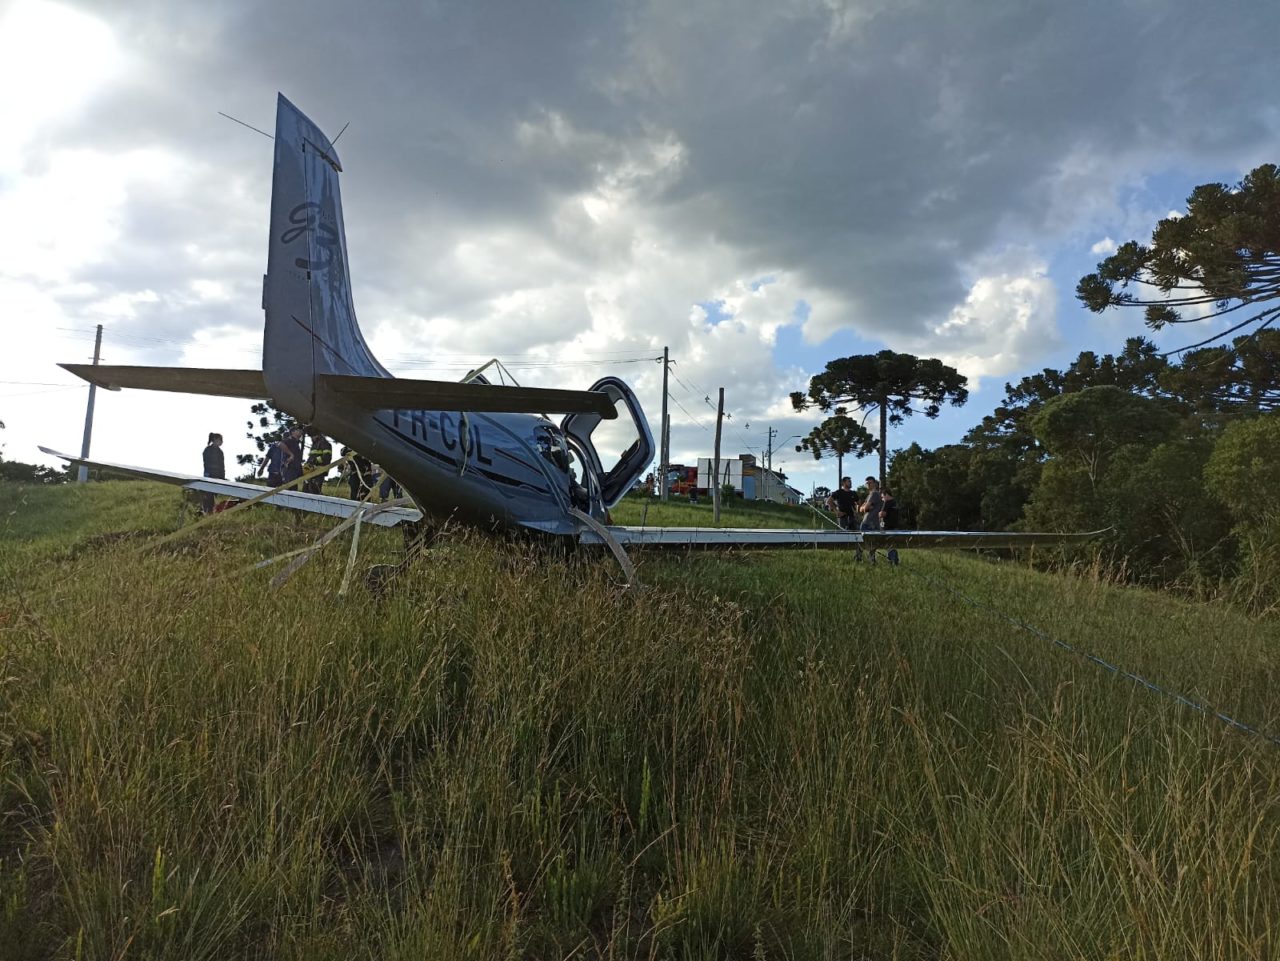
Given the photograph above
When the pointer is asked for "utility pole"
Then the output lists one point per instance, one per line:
(715, 464)
(767, 475)
(664, 445)
(83, 474)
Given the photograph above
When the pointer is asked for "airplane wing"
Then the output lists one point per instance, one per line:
(719, 538)
(974, 539)
(293, 500)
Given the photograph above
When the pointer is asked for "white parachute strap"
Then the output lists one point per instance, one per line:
(257, 498)
(304, 554)
(464, 442)
(351, 554)
(619, 553)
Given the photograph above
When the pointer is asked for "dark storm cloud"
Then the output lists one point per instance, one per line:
(874, 161)
(873, 151)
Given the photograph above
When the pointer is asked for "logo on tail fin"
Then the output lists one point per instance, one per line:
(306, 218)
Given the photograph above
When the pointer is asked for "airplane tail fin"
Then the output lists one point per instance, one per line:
(311, 327)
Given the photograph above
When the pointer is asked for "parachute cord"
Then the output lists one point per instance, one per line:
(464, 442)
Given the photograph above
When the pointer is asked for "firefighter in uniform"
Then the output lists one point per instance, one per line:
(320, 455)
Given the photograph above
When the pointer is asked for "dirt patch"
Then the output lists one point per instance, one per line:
(98, 543)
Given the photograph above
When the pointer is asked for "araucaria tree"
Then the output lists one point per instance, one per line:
(270, 424)
(839, 434)
(896, 385)
(1221, 258)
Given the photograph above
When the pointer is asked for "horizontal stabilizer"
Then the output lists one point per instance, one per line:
(184, 380)
(397, 393)
(242, 490)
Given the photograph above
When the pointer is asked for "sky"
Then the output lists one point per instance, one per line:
(761, 187)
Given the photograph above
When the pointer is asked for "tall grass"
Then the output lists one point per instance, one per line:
(760, 755)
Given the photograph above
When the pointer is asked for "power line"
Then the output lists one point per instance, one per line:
(695, 389)
(47, 390)
(687, 388)
(439, 359)
(687, 414)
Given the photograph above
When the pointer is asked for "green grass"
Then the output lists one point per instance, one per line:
(778, 755)
(678, 512)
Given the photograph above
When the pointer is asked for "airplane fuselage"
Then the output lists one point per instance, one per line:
(485, 469)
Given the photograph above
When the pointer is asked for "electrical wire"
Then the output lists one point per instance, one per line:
(427, 359)
(48, 390)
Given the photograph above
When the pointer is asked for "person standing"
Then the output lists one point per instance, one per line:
(845, 503)
(359, 475)
(389, 488)
(291, 468)
(889, 513)
(321, 455)
(273, 460)
(872, 506)
(870, 509)
(215, 466)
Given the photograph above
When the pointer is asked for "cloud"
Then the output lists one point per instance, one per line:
(564, 185)
(1104, 247)
(51, 58)
(1008, 319)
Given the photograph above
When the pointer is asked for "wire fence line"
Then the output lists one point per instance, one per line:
(1106, 665)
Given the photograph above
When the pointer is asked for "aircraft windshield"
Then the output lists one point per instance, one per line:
(612, 439)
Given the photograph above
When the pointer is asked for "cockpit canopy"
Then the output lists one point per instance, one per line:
(628, 436)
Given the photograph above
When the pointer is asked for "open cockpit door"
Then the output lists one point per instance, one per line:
(629, 436)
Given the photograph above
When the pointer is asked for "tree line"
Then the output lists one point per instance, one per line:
(1176, 458)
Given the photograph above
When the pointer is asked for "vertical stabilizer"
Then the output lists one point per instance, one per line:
(311, 321)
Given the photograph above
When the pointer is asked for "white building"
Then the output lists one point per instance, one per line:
(749, 479)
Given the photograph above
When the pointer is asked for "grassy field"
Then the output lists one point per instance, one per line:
(782, 755)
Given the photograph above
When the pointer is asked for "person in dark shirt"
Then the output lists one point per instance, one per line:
(889, 512)
(273, 461)
(359, 475)
(845, 503)
(291, 469)
(215, 465)
(388, 487)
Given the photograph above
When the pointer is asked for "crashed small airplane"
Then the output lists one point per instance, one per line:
(476, 452)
